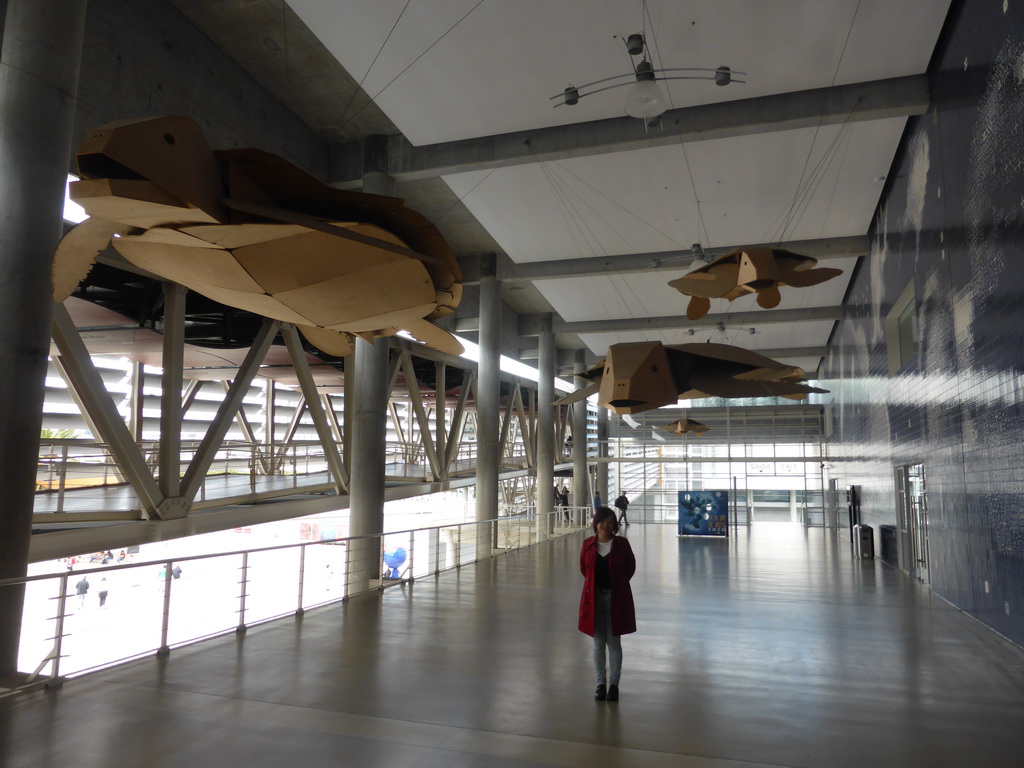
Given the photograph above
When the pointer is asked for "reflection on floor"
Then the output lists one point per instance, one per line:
(772, 648)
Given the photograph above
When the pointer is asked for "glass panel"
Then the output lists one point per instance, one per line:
(123, 623)
(324, 575)
(204, 599)
(273, 580)
(38, 624)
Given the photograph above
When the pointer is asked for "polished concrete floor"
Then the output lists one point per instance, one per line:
(774, 648)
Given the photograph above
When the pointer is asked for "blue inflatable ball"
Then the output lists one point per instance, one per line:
(394, 558)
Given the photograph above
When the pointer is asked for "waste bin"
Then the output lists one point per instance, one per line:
(887, 545)
(863, 541)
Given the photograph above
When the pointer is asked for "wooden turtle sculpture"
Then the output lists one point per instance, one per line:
(759, 270)
(641, 376)
(250, 230)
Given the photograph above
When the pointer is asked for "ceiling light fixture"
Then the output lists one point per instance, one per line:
(646, 98)
(700, 259)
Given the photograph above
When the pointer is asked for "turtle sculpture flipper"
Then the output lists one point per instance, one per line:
(250, 230)
(77, 252)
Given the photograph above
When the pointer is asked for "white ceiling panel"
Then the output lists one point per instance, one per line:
(799, 184)
(444, 70)
(450, 70)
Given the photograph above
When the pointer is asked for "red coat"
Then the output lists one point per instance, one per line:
(621, 567)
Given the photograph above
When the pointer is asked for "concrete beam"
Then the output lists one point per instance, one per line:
(565, 355)
(529, 325)
(856, 102)
(510, 272)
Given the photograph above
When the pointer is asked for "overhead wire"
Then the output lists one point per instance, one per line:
(413, 62)
(810, 150)
(656, 54)
(376, 56)
(618, 205)
(472, 189)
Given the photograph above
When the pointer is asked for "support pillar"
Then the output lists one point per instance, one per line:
(488, 437)
(367, 432)
(170, 389)
(580, 479)
(546, 372)
(39, 65)
(369, 447)
(602, 453)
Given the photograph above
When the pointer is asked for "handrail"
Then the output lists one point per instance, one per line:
(230, 591)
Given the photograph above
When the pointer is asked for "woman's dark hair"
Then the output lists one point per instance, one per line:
(603, 514)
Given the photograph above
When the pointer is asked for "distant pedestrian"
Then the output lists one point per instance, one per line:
(82, 588)
(565, 502)
(103, 593)
(622, 504)
(176, 572)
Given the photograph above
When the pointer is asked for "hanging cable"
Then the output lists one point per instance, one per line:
(376, 56)
(410, 65)
(810, 150)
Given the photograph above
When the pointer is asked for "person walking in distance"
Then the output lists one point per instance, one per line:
(82, 588)
(622, 504)
(606, 604)
(103, 593)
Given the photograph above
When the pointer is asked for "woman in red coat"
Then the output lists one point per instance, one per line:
(606, 606)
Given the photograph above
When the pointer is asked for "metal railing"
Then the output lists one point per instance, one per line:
(82, 469)
(135, 609)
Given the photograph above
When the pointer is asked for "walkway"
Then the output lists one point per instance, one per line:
(771, 649)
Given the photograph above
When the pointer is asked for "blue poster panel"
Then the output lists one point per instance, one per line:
(703, 513)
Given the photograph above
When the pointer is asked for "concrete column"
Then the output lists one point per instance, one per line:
(42, 48)
(369, 447)
(367, 435)
(547, 369)
(602, 451)
(488, 438)
(580, 480)
(170, 388)
(136, 418)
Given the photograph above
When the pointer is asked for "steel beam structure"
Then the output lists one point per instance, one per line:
(835, 105)
(211, 443)
(113, 431)
(509, 272)
(315, 406)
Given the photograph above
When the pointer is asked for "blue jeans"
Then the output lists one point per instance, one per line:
(603, 637)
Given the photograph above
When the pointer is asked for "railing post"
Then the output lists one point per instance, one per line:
(165, 621)
(412, 556)
(58, 629)
(243, 585)
(437, 554)
(302, 578)
(347, 569)
(62, 477)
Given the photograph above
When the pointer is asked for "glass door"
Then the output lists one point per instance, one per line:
(914, 519)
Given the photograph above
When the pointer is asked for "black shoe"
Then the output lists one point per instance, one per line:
(601, 693)
(613, 693)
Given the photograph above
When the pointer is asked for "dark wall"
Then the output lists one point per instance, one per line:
(951, 222)
(143, 59)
